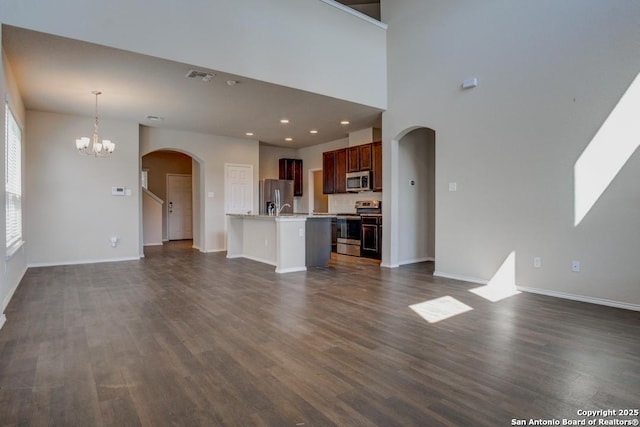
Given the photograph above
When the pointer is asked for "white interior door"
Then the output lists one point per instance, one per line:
(239, 188)
(179, 207)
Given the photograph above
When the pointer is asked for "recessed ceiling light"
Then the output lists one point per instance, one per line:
(249, 133)
(288, 139)
(313, 131)
(155, 118)
(284, 121)
(344, 122)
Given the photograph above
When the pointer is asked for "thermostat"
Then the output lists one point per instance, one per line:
(117, 191)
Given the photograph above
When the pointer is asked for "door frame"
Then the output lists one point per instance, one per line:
(311, 189)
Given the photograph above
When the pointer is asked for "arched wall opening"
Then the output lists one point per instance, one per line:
(415, 217)
(159, 165)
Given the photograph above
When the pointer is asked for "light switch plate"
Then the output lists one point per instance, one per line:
(117, 191)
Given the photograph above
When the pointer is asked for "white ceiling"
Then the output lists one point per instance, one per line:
(57, 74)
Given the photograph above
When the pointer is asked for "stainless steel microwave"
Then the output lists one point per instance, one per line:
(359, 181)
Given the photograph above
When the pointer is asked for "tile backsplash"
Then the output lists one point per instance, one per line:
(345, 203)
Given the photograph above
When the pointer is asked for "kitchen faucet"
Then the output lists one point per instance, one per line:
(278, 207)
(282, 207)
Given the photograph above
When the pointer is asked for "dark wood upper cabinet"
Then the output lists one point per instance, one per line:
(336, 164)
(376, 160)
(334, 171)
(329, 172)
(365, 157)
(359, 158)
(353, 159)
(292, 169)
(341, 171)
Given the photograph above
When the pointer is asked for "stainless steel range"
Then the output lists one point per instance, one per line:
(349, 234)
(354, 230)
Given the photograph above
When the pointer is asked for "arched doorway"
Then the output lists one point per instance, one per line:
(416, 216)
(173, 177)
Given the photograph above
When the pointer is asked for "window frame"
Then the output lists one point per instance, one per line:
(13, 182)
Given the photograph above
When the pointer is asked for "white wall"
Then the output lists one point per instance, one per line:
(212, 152)
(305, 44)
(269, 160)
(14, 267)
(549, 75)
(70, 214)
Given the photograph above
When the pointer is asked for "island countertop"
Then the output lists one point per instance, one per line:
(289, 242)
(295, 216)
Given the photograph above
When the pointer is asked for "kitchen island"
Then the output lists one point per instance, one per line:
(288, 242)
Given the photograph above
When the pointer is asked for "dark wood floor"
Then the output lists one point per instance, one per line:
(184, 338)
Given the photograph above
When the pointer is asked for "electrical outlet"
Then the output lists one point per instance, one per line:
(575, 266)
(537, 262)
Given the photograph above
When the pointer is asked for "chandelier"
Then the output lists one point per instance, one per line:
(93, 146)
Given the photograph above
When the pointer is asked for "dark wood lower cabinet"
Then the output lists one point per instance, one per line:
(334, 234)
(371, 243)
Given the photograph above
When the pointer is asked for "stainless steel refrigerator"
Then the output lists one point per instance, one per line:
(268, 189)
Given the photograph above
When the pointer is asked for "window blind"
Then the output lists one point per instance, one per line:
(13, 179)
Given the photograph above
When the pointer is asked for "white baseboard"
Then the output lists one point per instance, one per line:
(210, 251)
(78, 262)
(253, 258)
(154, 244)
(385, 265)
(581, 298)
(547, 292)
(460, 277)
(405, 262)
(7, 298)
(290, 270)
(415, 260)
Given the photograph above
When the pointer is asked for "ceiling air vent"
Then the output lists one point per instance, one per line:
(203, 75)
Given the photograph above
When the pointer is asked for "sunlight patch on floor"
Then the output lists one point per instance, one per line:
(608, 151)
(503, 284)
(439, 309)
